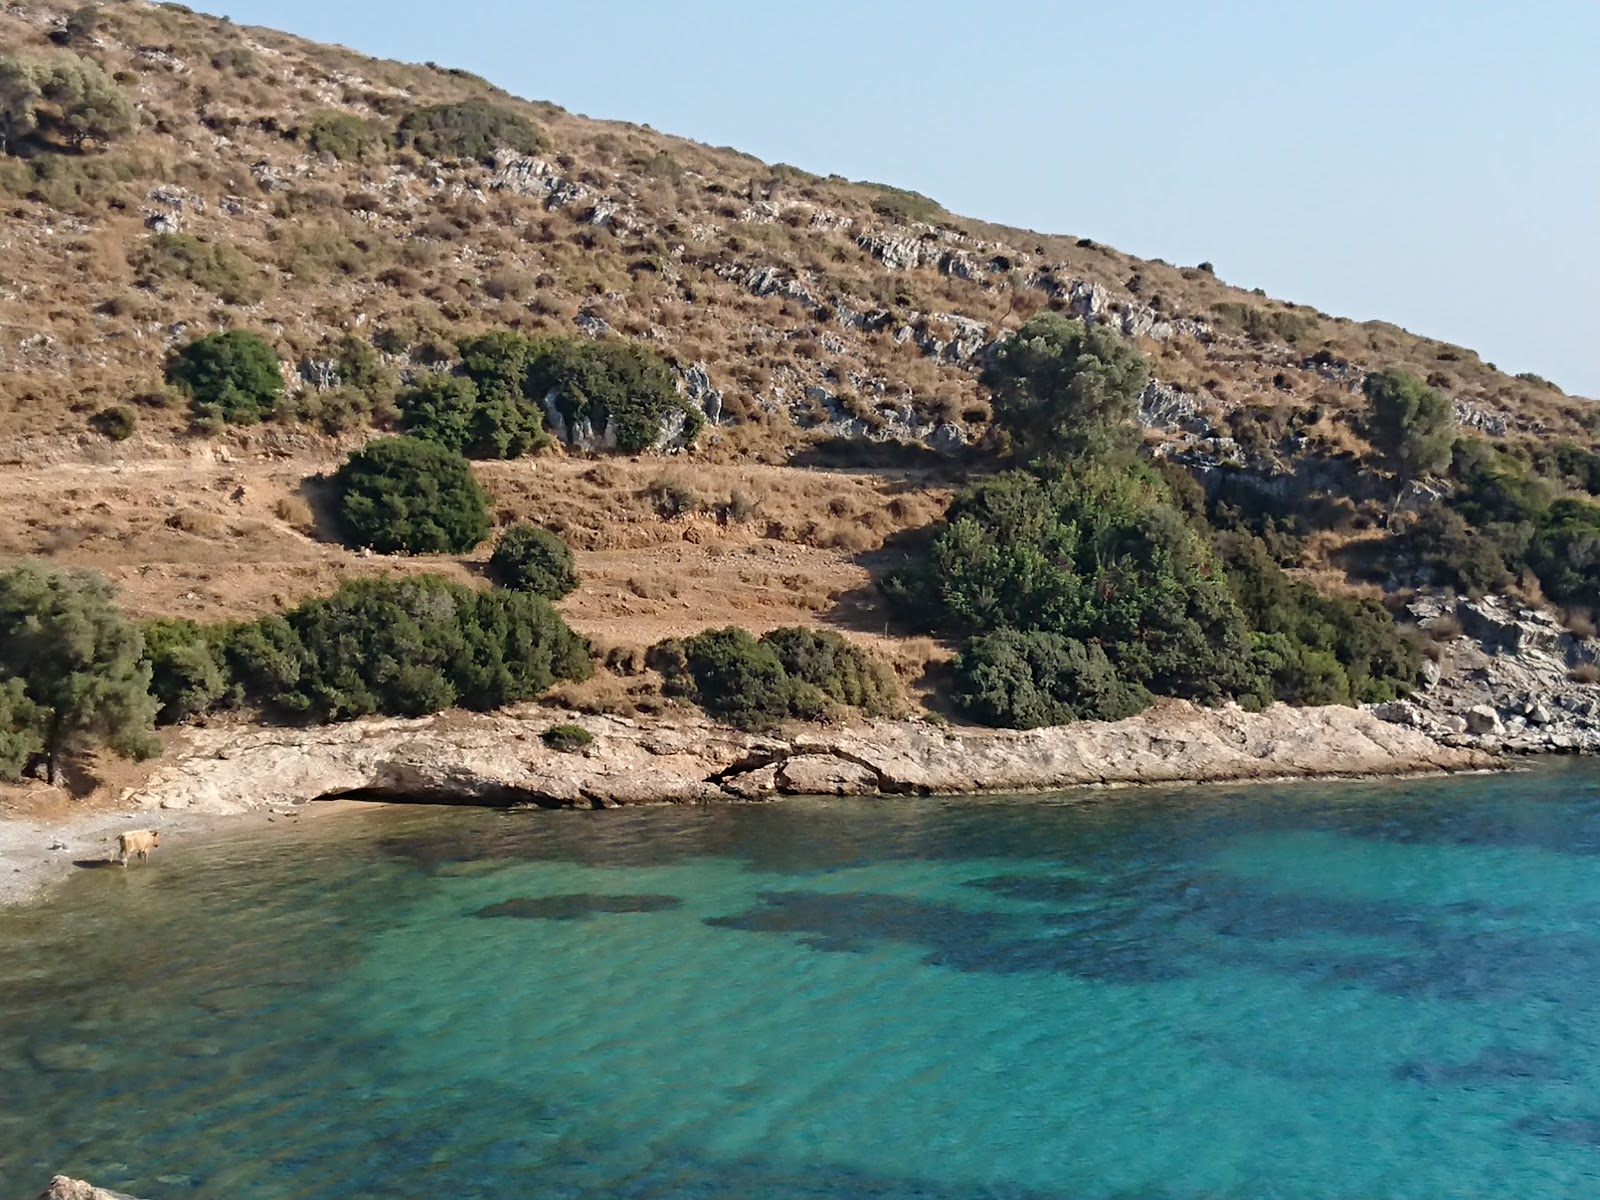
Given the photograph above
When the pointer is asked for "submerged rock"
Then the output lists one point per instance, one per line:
(63, 1188)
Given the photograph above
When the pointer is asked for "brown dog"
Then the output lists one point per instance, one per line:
(136, 841)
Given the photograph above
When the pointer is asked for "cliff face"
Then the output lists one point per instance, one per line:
(501, 759)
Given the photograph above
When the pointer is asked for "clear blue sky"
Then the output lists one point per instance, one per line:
(1435, 163)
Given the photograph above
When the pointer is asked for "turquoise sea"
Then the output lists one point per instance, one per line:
(1359, 990)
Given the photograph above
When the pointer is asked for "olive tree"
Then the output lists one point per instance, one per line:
(1066, 390)
(81, 666)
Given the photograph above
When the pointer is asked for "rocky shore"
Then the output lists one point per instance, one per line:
(1510, 680)
(502, 759)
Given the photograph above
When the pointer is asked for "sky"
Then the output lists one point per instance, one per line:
(1434, 163)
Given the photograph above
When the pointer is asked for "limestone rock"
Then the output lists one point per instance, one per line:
(63, 1188)
(500, 759)
(1482, 719)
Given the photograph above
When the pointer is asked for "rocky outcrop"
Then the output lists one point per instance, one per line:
(501, 759)
(62, 1188)
(1509, 678)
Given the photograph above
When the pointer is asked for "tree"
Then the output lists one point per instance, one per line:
(80, 662)
(67, 97)
(1411, 424)
(1066, 390)
(87, 104)
(404, 495)
(19, 93)
(534, 560)
(233, 377)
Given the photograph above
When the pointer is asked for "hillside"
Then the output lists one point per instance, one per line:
(174, 176)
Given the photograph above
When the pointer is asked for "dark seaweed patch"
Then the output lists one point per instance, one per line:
(576, 906)
(1495, 1065)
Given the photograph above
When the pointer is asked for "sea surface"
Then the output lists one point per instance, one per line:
(1357, 990)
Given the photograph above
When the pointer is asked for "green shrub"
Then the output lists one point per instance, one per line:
(1065, 390)
(837, 668)
(1312, 648)
(407, 496)
(1101, 556)
(899, 204)
(1264, 325)
(1411, 424)
(566, 739)
(531, 559)
(787, 673)
(232, 377)
(344, 136)
(214, 266)
(117, 423)
(625, 387)
(21, 730)
(1027, 680)
(473, 130)
(733, 677)
(1565, 552)
(187, 675)
(416, 646)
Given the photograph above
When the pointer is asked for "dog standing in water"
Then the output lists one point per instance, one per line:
(136, 841)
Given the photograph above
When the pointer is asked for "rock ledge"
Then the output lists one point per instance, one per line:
(500, 759)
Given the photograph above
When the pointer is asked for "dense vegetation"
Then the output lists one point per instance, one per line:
(1087, 586)
(408, 496)
(754, 684)
(75, 673)
(1508, 515)
(473, 130)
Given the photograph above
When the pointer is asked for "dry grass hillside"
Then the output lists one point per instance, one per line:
(265, 188)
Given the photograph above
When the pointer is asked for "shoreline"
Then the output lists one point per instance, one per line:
(242, 778)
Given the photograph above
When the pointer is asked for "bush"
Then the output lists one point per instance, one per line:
(566, 739)
(788, 673)
(1027, 680)
(1100, 557)
(1066, 390)
(1565, 552)
(486, 411)
(837, 668)
(420, 645)
(1310, 648)
(1411, 424)
(232, 377)
(616, 388)
(344, 136)
(403, 495)
(472, 130)
(187, 675)
(216, 267)
(116, 423)
(531, 559)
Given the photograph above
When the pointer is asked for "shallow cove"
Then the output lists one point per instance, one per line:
(1298, 991)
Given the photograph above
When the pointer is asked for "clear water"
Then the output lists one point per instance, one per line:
(1342, 991)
